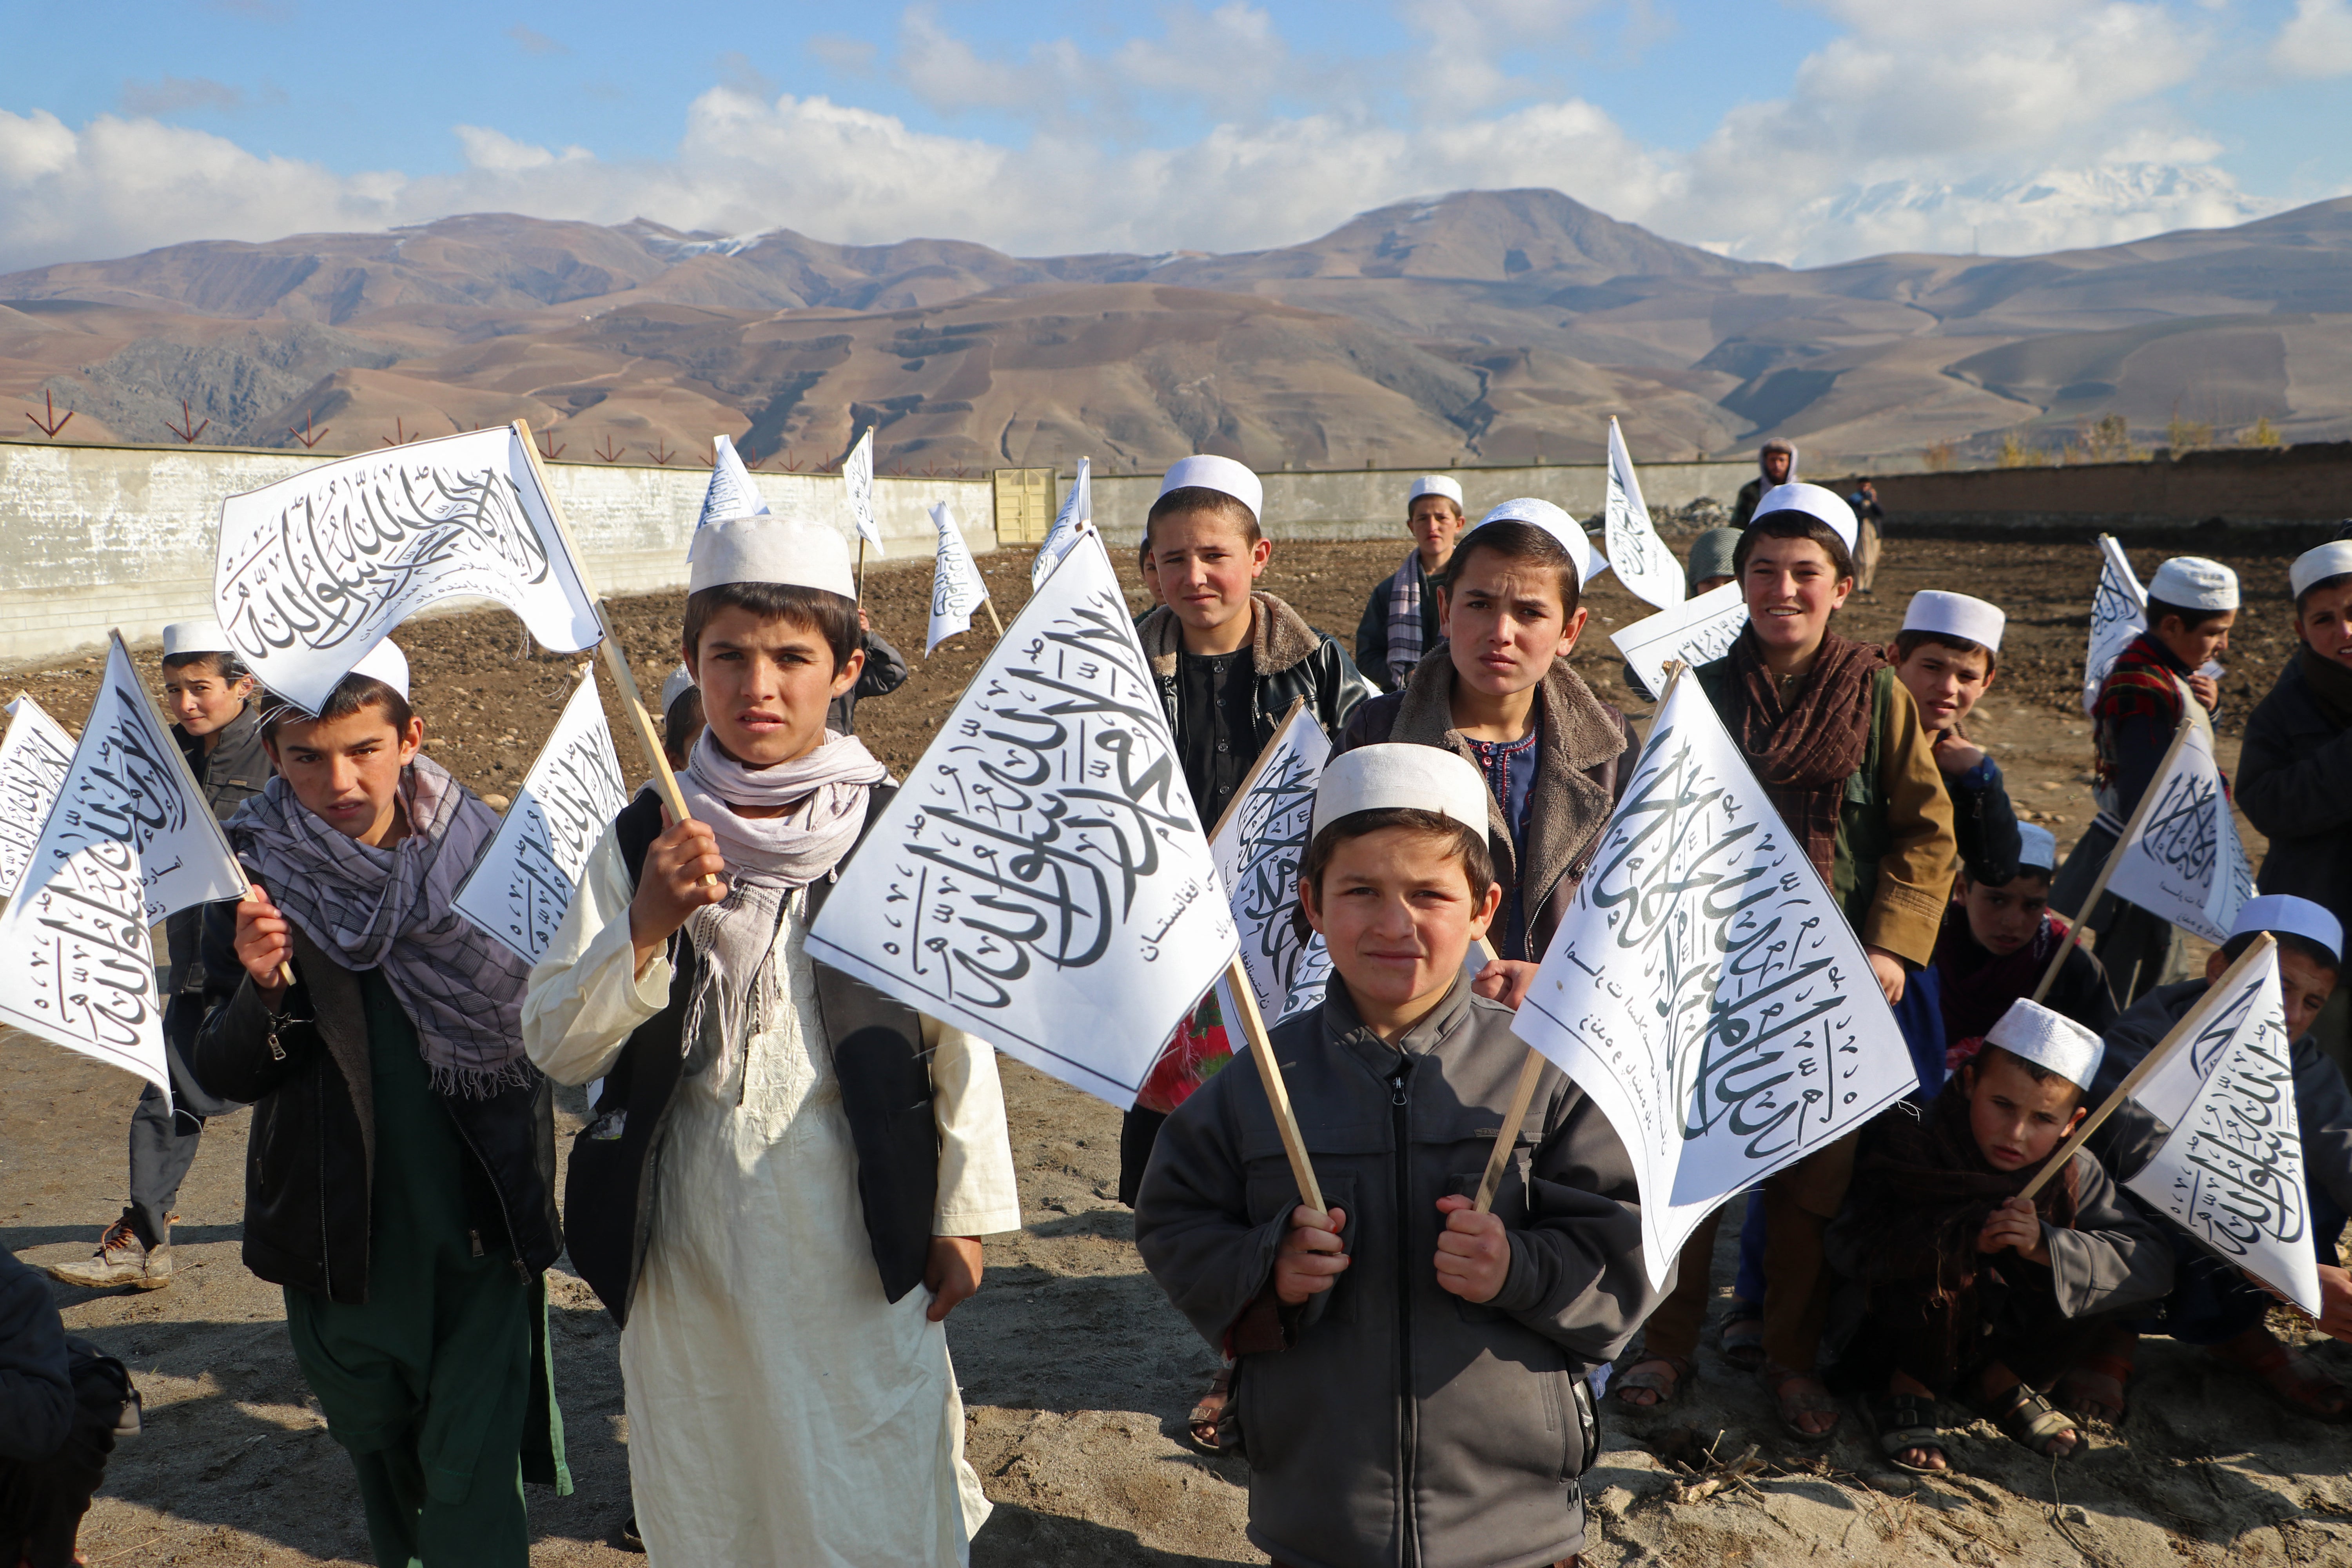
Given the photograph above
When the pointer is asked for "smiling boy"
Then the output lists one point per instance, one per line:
(1410, 1385)
(1944, 656)
(400, 1175)
(2294, 771)
(784, 1192)
(208, 692)
(2192, 603)
(1968, 1290)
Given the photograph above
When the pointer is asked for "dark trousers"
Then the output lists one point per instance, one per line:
(42, 1501)
(2212, 1301)
(2009, 1316)
(163, 1138)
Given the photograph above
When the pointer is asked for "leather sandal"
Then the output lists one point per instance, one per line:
(1661, 1386)
(2288, 1375)
(1743, 1335)
(1904, 1422)
(1201, 1425)
(2033, 1422)
(2093, 1388)
(1775, 1381)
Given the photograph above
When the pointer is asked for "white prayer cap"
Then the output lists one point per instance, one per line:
(2194, 582)
(2331, 560)
(1555, 521)
(386, 663)
(2283, 915)
(1433, 485)
(1821, 504)
(2037, 847)
(1956, 615)
(1207, 471)
(2033, 1032)
(771, 549)
(1401, 773)
(195, 636)
(680, 682)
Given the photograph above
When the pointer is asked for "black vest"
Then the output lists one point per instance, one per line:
(885, 1091)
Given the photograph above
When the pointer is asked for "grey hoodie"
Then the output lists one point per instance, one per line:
(1388, 1424)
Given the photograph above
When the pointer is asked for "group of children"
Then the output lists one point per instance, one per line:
(784, 1189)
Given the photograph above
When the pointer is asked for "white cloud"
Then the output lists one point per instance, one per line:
(2316, 40)
(1907, 131)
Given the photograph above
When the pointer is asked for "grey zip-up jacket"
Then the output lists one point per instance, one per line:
(1388, 1424)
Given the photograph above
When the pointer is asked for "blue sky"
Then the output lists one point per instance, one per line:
(1801, 132)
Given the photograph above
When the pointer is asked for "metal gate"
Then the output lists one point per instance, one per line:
(1024, 505)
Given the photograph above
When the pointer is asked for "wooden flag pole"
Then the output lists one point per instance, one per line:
(861, 568)
(1278, 1095)
(990, 605)
(2114, 856)
(608, 646)
(1522, 1095)
(2180, 1033)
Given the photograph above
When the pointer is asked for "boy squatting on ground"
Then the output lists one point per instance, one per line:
(1834, 739)
(2192, 603)
(400, 1175)
(1411, 1383)
(781, 1239)
(1499, 694)
(1402, 621)
(2295, 771)
(1963, 1290)
(2212, 1304)
(208, 692)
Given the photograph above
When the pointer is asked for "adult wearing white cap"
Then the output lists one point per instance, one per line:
(398, 1184)
(208, 692)
(784, 1268)
(1835, 741)
(1776, 463)
(2191, 605)
(2212, 1304)
(1946, 656)
(1436, 1426)
(2295, 771)
(1400, 622)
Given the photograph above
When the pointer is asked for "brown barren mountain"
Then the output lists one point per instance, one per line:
(1487, 325)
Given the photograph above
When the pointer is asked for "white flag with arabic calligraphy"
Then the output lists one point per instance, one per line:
(1636, 553)
(957, 587)
(1258, 848)
(1041, 879)
(2119, 614)
(1705, 988)
(2186, 864)
(519, 890)
(1695, 632)
(730, 493)
(1077, 514)
(858, 472)
(2230, 1172)
(33, 762)
(129, 840)
(314, 569)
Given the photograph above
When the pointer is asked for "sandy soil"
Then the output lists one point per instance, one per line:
(1076, 1371)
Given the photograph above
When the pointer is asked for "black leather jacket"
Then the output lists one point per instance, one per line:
(1289, 659)
(310, 1159)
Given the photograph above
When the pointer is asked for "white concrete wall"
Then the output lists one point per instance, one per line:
(99, 536)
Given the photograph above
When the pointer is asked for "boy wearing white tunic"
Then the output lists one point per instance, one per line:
(782, 1153)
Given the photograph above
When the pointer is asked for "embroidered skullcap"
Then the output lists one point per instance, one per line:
(1207, 471)
(2283, 915)
(1401, 773)
(771, 549)
(1555, 521)
(2330, 560)
(1956, 615)
(386, 663)
(2033, 1032)
(2037, 847)
(1819, 504)
(680, 682)
(1711, 555)
(195, 636)
(1433, 485)
(2194, 582)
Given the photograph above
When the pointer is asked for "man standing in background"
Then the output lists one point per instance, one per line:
(1400, 622)
(1777, 462)
(1867, 514)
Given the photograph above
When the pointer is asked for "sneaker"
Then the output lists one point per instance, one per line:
(121, 1259)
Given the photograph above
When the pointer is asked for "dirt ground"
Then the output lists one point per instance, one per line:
(1076, 1371)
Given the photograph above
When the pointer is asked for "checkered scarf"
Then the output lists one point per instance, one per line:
(390, 909)
(1406, 590)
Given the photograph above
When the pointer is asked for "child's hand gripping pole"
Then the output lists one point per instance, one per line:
(1269, 1073)
(285, 970)
(1507, 1136)
(2192, 1021)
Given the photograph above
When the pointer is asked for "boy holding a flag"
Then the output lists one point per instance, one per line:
(2213, 1304)
(784, 1193)
(1411, 1383)
(2191, 605)
(1835, 739)
(399, 1180)
(1965, 1288)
